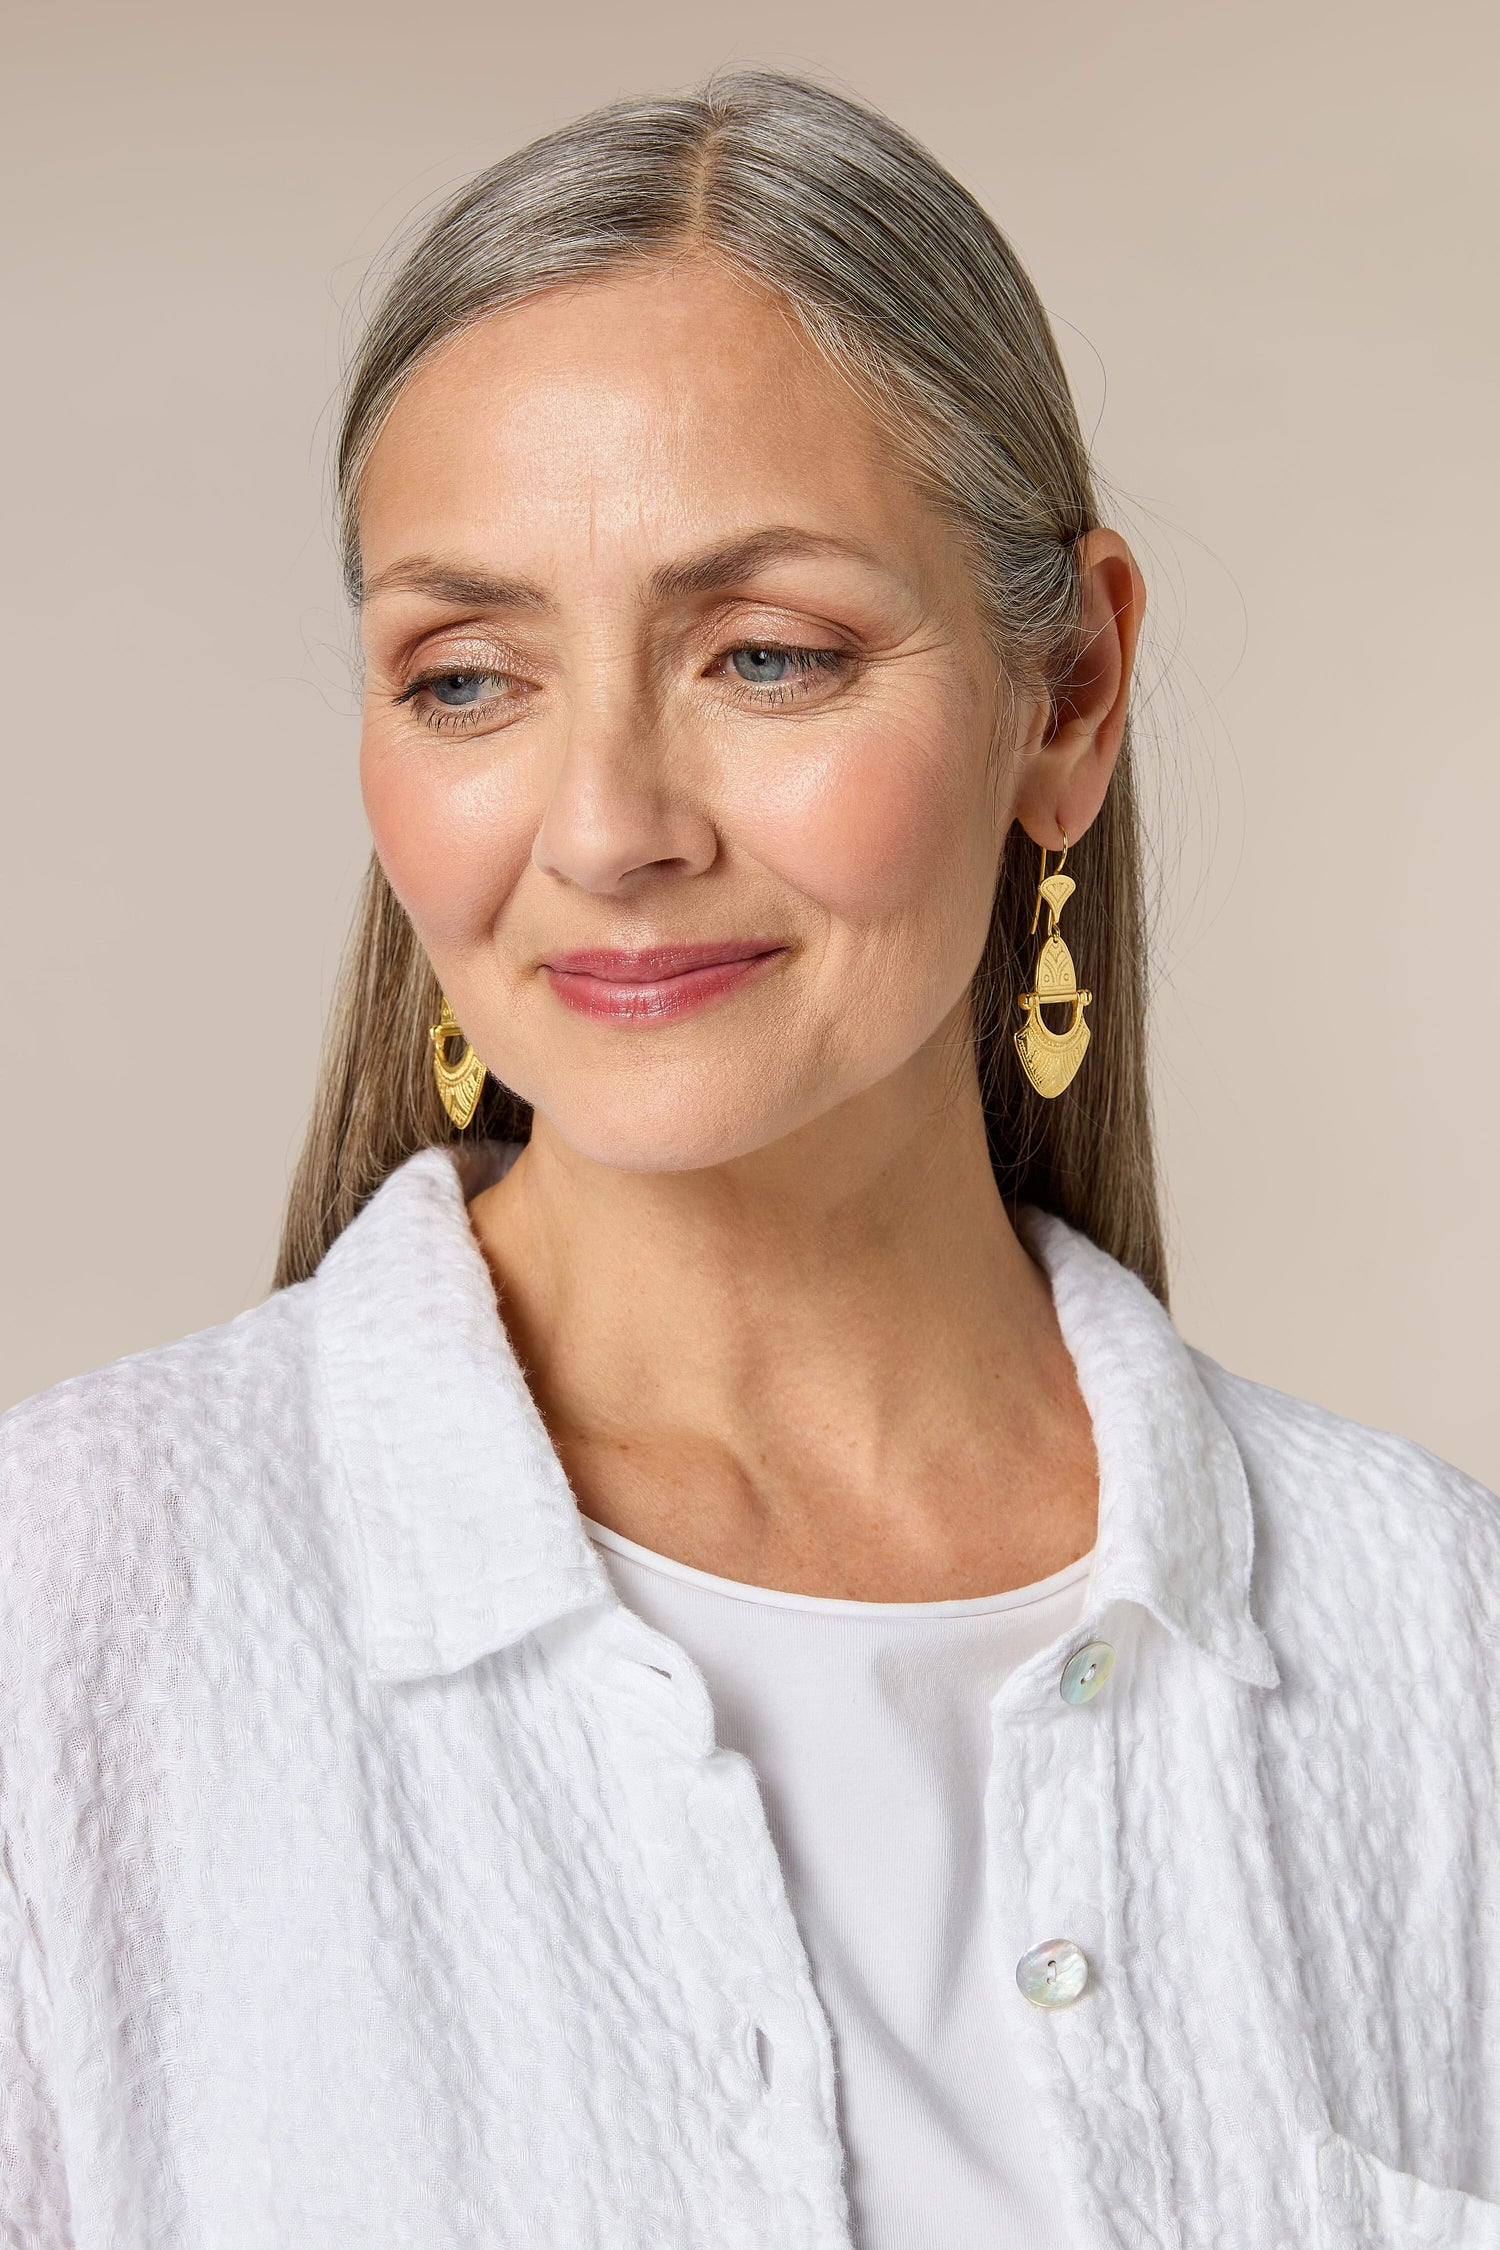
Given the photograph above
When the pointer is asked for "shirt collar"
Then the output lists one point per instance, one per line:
(468, 1528)
(468, 1531)
(1176, 1527)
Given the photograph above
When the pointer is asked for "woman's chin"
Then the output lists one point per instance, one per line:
(635, 1135)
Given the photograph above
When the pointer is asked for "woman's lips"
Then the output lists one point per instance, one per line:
(646, 984)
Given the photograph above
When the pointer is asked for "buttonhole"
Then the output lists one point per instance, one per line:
(764, 2056)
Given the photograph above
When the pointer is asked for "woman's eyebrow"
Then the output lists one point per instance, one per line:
(442, 582)
(726, 564)
(737, 559)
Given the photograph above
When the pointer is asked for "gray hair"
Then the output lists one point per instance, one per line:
(898, 276)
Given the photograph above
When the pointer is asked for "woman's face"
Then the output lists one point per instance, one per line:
(680, 725)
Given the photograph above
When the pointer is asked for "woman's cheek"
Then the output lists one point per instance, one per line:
(869, 826)
(453, 844)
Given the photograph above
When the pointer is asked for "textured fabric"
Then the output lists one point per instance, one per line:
(371, 1875)
(867, 1725)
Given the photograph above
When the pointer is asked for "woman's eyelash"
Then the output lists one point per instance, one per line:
(414, 688)
(759, 672)
(454, 715)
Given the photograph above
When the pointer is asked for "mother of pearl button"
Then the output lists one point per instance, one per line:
(1052, 1974)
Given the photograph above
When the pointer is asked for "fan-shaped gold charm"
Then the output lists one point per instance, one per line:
(460, 1083)
(1049, 1058)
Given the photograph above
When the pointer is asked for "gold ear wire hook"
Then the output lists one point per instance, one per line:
(1041, 879)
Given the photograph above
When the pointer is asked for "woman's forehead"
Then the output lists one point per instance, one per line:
(678, 394)
(610, 440)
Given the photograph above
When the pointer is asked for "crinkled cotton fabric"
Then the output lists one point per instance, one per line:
(371, 1874)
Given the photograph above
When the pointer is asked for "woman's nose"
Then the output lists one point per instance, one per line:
(619, 806)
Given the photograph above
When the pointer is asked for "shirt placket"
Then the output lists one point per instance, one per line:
(701, 1831)
(1053, 1840)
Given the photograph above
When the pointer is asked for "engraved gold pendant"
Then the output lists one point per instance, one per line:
(1049, 1058)
(460, 1083)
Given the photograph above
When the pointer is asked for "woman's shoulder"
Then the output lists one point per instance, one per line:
(133, 1401)
(99, 1470)
(1357, 1520)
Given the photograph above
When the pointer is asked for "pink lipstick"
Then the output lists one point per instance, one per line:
(646, 984)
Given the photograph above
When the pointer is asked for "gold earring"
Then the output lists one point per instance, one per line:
(460, 1083)
(1051, 1058)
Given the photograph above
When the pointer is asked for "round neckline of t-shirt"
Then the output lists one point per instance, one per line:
(827, 1605)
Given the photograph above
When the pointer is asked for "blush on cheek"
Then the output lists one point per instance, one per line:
(449, 859)
(872, 829)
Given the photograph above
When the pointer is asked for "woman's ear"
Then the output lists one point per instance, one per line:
(1065, 765)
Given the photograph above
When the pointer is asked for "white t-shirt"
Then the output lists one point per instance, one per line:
(868, 1725)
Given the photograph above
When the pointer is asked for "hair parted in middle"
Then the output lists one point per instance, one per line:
(899, 277)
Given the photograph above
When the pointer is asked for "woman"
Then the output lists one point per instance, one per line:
(709, 1670)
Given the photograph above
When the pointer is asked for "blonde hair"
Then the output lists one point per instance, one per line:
(895, 272)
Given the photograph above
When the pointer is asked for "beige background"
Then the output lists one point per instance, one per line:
(1272, 227)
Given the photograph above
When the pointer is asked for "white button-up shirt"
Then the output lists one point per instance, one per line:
(371, 1876)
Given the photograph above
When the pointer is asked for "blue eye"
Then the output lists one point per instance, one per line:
(761, 664)
(764, 667)
(457, 689)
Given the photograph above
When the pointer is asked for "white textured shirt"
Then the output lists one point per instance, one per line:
(867, 1725)
(372, 1878)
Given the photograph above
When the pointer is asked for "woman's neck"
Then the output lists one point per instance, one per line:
(829, 1366)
